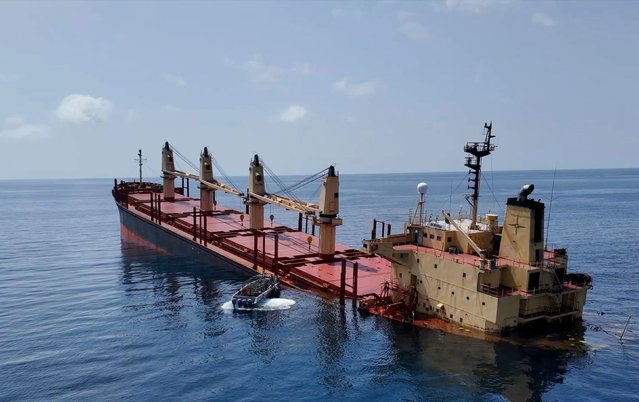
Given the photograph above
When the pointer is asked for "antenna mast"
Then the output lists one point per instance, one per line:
(140, 162)
(478, 150)
(552, 192)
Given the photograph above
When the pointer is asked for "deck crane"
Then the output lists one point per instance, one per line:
(324, 214)
(207, 183)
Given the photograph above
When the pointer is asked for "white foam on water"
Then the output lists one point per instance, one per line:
(276, 304)
(265, 305)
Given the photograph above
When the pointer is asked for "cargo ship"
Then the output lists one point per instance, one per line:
(165, 216)
(462, 274)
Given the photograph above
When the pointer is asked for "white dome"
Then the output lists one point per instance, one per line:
(422, 188)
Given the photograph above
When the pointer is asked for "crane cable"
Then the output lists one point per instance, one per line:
(197, 169)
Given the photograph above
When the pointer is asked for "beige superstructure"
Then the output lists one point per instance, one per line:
(480, 274)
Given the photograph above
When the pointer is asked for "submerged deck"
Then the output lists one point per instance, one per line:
(274, 249)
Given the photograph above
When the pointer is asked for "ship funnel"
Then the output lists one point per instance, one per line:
(525, 191)
(523, 230)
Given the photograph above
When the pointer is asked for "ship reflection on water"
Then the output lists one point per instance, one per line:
(169, 283)
(347, 352)
(517, 372)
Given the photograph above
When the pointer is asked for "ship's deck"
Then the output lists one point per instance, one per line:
(228, 235)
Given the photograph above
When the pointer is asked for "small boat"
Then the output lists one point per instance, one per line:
(255, 290)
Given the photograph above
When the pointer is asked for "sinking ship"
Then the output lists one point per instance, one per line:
(474, 272)
(165, 216)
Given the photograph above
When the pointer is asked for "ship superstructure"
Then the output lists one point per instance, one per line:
(475, 272)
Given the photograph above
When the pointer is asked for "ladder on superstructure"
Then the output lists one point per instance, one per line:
(478, 150)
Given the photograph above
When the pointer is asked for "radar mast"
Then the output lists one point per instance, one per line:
(478, 150)
(140, 162)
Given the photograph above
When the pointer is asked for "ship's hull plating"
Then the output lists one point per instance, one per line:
(166, 240)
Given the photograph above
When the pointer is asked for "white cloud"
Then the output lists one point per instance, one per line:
(543, 19)
(23, 131)
(473, 5)
(293, 113)
(13, 121)
(411, 28)
(262, 73)
(80, 109)
(174, 79)
(352, 89)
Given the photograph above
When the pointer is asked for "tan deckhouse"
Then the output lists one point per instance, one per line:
(475, 272)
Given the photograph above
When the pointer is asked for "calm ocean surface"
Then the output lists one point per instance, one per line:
(85, 315)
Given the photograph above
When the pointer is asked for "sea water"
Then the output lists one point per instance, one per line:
(85, 315)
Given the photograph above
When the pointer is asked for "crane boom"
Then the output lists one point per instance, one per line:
(292, 205)
(480, 252)
(216, 185)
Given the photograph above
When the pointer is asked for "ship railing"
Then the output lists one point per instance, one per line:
(459, 258)
(499, 291)
(544, 289)
(547, 263)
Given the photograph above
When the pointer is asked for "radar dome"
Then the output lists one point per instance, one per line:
(422, 188)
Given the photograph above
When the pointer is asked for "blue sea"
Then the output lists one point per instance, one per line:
(86, 315)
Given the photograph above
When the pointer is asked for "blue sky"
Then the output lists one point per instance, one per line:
(385, 86)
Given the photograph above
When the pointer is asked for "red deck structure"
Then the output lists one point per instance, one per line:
(289, 253)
